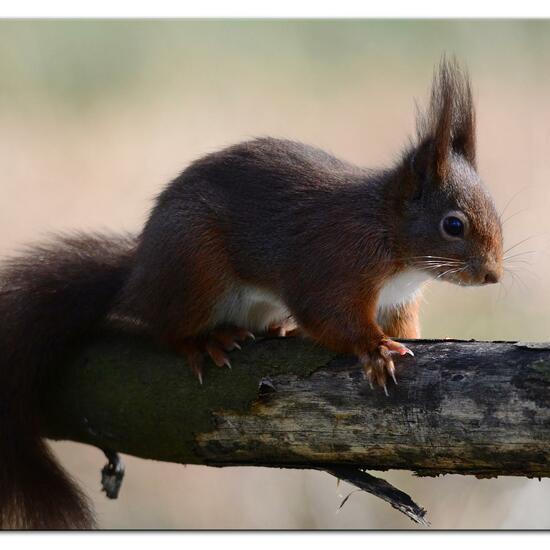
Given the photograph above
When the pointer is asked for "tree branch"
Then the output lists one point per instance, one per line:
(479, 408)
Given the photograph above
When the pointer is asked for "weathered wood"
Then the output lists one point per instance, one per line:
(478, 408)
(382, 489)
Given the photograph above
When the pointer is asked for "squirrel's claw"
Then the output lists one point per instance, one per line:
(396, 347)
(378, 365)
(225, 339)
(228, 338)
(217, 354)
(195, 361)
(215, 345)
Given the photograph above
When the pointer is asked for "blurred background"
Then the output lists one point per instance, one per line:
(96, 116)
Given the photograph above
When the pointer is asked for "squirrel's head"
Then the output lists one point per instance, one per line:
(450, 226)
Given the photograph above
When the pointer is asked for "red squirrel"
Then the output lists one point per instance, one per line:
(268, 234)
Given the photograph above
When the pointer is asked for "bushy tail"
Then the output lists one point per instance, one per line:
(50, 299)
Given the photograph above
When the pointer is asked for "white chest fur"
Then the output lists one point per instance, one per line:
(249, 307)
(256, 309)
(402, 288)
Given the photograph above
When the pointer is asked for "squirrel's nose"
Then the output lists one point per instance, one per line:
(491, 277)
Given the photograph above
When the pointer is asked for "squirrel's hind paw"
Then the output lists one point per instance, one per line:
(215, 345)
(287, 327)
(225, 339)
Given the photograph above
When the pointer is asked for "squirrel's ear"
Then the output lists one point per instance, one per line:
(421, 160)
(464, 125)
(419, 166)
(449, 123)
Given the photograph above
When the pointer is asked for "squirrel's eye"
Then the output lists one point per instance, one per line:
(453, 226)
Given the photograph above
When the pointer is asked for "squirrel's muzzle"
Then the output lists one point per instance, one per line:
(487, 273)
(491, 277)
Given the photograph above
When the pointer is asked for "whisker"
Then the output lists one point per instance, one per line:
(427, 257)
(450, 272)
(437, 266)
(526, 270)
(518, 279)
(441, 262)
(519, 254)
(502, 286)
(510, 200)
(520, 242)
(514, 215)
(519, 262)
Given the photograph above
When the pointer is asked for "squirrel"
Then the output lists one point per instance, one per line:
(266, 235)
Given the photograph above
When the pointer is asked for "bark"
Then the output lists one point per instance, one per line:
(479, 408)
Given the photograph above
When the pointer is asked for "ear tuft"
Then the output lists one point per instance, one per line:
(449, 122)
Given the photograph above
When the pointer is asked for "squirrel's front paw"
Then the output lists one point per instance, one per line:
(378, 364)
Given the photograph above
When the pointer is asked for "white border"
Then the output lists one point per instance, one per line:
(280, 9)
(275, 9)
(409, 540)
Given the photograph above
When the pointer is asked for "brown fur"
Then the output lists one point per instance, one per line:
(51, 299)
(268, 220)
(402, 321)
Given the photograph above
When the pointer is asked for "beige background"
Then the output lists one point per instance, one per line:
(95, 117)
